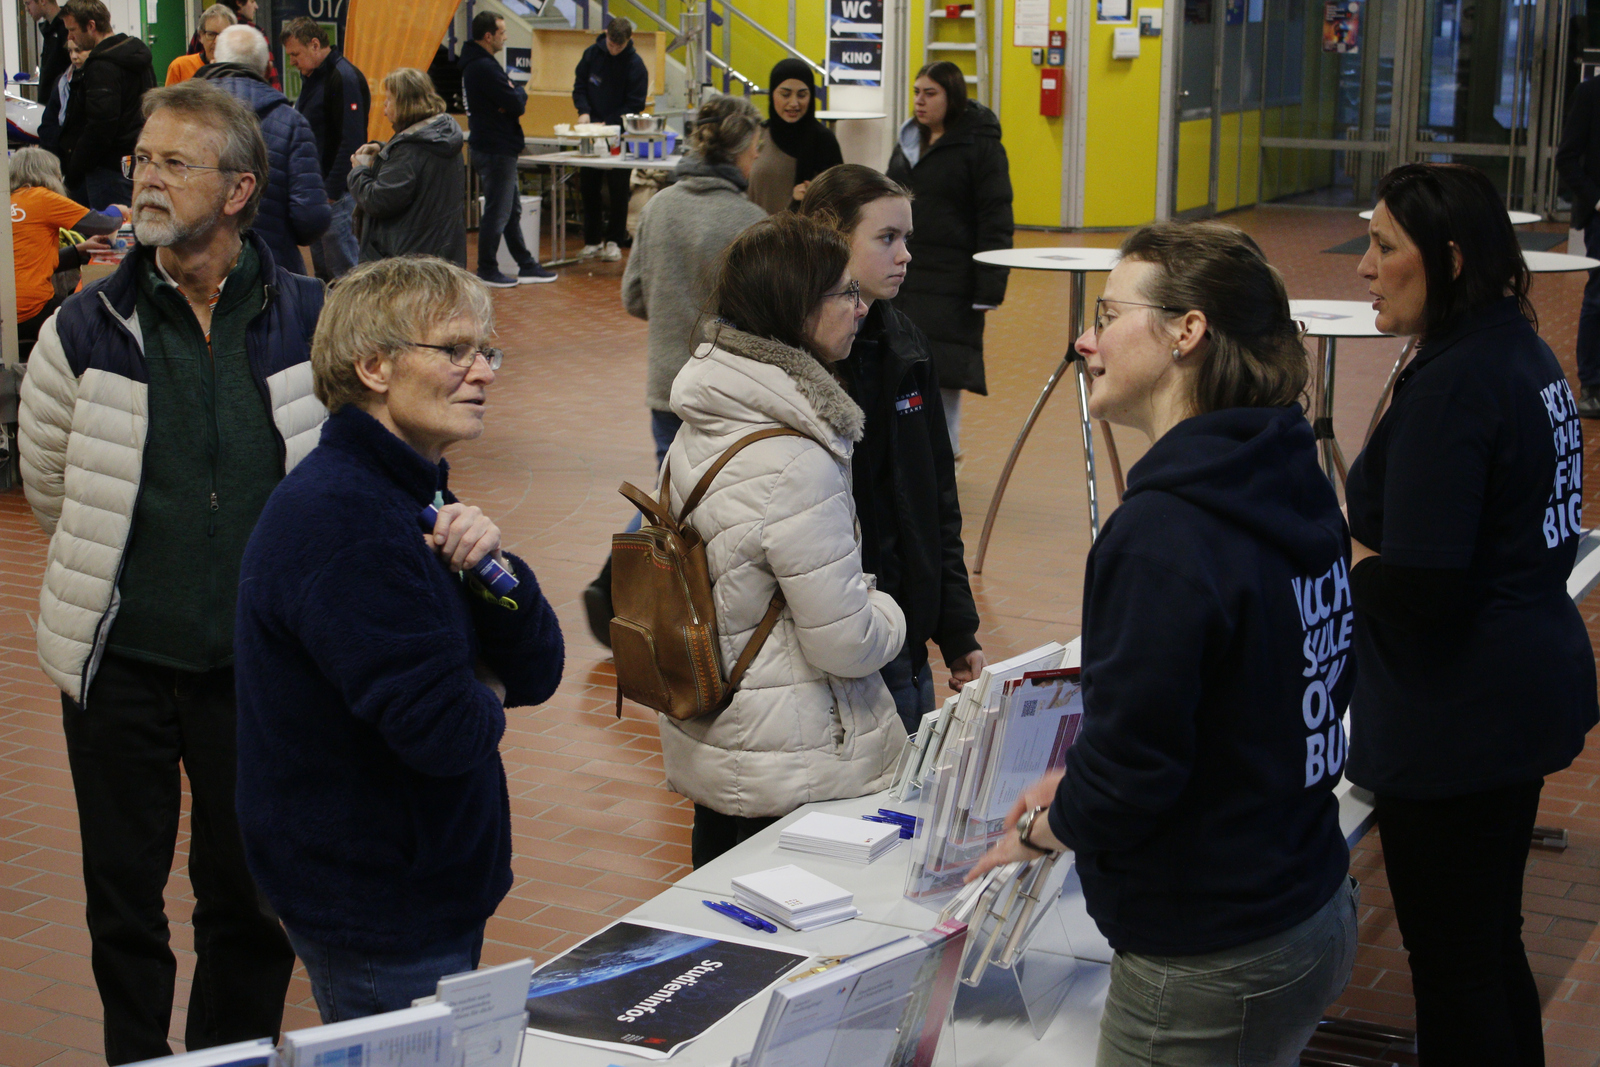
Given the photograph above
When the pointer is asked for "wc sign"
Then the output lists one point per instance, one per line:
(855, 18)
(855, 61)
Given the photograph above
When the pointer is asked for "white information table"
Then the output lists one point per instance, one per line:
(830, 116)
(1327, 321)
(1078, 262)
(562, 166)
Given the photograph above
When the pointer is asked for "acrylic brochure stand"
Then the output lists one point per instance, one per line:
(1005, 1004)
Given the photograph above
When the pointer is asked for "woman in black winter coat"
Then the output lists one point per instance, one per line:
(798, 147)
(951, 158)
(410, 190)
(902, 471)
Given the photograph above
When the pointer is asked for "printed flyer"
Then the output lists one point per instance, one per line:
(649, 989)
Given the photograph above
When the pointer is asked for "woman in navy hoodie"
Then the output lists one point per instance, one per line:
(1216, 668)
(373, 670)
(1477, 675)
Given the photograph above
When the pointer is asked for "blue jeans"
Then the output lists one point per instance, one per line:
(663, 427)
(502, 211)
(911, 685)
(336, 251)
(106, 186)
(1251, 1006)
(1589, 312)
(352, 985)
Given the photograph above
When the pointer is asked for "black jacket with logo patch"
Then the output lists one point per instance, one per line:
(1217, 665)
(905, 484)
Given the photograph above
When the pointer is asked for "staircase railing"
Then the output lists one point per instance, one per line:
(723, 62)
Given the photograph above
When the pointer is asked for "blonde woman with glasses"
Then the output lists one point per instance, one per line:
(410, 190)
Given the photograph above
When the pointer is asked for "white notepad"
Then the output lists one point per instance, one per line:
(835, 835)
(793, 890)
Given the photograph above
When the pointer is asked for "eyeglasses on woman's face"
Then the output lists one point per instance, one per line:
(1100, 320)
(466, 353)
(851, 292)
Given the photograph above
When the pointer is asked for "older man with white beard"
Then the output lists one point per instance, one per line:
(162, 405)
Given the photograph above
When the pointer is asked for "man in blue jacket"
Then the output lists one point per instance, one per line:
(493, 106)
(294, 210)
(611, 82)
(334, 99)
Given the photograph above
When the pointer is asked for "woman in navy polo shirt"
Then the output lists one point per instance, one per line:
(1476, 677)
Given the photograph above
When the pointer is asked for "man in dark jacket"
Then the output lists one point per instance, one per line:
(493, 107)
(191, 364)
(611, 82)
(103, 116)
(334, 99)
(245, 12)
(1578, 160)
(294, 210)
(53, 63)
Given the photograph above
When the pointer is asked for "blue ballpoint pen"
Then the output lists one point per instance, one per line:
(739, 915)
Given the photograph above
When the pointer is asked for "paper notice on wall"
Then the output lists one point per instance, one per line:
(1032, 24)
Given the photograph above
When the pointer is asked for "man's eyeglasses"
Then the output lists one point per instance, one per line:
(853, 291)
(174, 171)
(466, 353)
(1099, 310)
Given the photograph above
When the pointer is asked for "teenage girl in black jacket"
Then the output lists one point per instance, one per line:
(903, 471)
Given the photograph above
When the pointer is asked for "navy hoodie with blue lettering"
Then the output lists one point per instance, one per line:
(1216, 669)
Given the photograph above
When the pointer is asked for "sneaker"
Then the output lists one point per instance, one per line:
(533, 274)
(495, 280)
(589, 252)
(1589, 402)
(597, 606)
(626, 242)
(611, 253)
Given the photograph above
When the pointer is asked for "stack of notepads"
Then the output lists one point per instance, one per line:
(839, 837)
(796, 898)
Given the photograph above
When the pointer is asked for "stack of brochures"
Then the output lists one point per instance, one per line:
(796, 898)
(837, 836)
(412, 1037)
(882, 1008)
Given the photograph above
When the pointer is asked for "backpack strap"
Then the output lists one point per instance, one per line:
(722, 461)
(763, 631)
(645, 503)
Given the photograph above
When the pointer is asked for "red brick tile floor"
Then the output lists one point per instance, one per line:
(596, 831)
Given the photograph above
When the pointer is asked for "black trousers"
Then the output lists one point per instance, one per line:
(141, 721)
(610, 225)
(1455, 870)
(715, 833)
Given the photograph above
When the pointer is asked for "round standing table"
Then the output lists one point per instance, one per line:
(1518, 218)
(1327, 321)
(1078, 262)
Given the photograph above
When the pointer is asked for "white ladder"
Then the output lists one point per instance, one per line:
(979, 46)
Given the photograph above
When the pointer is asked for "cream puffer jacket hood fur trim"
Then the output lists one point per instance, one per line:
(812, 720)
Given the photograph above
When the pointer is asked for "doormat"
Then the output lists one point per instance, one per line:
(1531, 241)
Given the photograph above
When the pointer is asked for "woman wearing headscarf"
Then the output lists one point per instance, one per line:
(798, 146)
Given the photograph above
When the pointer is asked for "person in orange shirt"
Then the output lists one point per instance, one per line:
(40, 210)
(213, 21)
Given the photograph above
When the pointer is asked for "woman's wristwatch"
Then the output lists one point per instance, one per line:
(1025, 829)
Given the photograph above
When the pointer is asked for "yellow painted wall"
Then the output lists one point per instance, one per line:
(1124, 97)
(1194, 164)
(1228, 163)
(1250, 158)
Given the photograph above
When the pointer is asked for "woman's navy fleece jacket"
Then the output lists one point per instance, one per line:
(371, 796)
(1216, 668)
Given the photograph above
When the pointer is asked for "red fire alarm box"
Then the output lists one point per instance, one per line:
(1051, 91)
(1058, 38)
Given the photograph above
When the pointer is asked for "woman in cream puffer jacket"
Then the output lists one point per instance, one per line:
(812, 719)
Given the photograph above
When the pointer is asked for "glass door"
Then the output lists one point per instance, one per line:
(1194, 173)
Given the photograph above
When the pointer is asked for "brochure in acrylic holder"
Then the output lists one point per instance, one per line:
(1004, 1007)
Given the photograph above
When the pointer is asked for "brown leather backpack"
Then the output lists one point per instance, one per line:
(664, 633)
